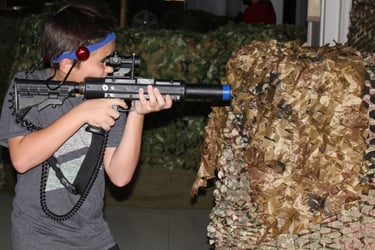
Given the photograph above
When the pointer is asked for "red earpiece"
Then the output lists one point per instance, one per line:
(82, 53)
(46, 59)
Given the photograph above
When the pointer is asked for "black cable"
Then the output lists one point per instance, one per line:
(63, 81)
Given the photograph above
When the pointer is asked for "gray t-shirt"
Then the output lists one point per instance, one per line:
(31, 227)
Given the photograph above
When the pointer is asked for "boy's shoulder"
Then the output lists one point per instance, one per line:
(34, 74)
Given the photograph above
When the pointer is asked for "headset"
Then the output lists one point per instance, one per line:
(80, 55)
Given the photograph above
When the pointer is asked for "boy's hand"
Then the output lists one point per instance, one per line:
(155, 102)
(101, 112)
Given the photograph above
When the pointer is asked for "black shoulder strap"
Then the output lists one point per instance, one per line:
(93, 161)
(84, 180)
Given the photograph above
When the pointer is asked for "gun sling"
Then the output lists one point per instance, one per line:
(86, 173)
(91, 163)
(84, 180)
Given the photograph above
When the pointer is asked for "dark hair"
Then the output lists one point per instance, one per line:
(73, 26)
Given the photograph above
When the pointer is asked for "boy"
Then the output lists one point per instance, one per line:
(61, 133)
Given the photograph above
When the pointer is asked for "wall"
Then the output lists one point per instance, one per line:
(332, 25)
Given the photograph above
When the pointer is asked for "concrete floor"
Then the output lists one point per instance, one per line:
(139, 228)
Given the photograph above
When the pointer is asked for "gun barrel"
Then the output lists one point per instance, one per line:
(209, 92)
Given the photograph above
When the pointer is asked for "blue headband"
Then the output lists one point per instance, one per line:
(92, 47)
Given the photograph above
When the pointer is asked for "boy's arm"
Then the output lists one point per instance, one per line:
(120, 163)
(30, 150)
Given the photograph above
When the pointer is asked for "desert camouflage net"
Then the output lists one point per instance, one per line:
(288, 152)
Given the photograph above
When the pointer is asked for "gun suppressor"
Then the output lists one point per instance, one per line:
(128, 89)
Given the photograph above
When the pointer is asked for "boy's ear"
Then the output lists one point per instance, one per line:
(65, 65)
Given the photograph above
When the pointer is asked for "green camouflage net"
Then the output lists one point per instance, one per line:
(289, 150)
(194, 57)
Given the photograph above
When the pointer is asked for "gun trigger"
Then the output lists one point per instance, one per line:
(119, 109)
(48, 102)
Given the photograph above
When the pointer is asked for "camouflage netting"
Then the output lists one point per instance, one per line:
(293, 156)
(289, 151)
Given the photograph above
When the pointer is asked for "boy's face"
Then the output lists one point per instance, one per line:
(95, 65)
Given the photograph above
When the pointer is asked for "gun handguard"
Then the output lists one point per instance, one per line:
(30, 93)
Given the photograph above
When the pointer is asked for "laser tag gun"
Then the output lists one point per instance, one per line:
(121, 84)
